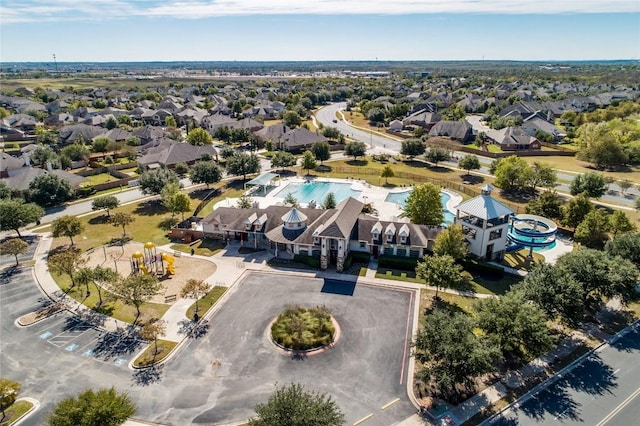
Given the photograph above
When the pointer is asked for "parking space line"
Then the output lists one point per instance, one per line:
(364, 419)
(384, 407)
(53, 325)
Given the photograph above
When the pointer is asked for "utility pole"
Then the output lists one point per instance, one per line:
(55, 62)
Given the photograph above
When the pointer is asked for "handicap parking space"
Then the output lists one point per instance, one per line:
(74, 336)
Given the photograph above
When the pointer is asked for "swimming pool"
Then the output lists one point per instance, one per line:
(401, 198)
(305, 192)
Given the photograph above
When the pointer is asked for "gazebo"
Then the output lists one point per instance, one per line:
(264, 180)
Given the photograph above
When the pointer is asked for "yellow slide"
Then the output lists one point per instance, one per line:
(171, 268)
(144, 270)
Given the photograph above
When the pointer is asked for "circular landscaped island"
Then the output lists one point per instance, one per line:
(304, 329)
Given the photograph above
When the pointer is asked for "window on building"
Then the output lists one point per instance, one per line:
(363, 244)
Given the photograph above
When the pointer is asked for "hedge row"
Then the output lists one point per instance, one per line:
(397, 262)
(314, 262)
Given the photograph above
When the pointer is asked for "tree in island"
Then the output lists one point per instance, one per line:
(105, 407)
(67, 226)
(151, 331)
(195, 289)
(8, 393)
(294, 406)
(13, 246)
(424, 206)
(592, 183)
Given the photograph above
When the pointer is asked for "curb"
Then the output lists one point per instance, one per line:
(560, 374)
(35, 404)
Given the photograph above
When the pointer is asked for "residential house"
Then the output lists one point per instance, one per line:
(170, 153)
(20, 179)
(396, 126)
(72, 133)
(457, 130)
(513, 139)
(423, 118)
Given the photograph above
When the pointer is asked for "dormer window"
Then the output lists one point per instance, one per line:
(389, 238)
(403, 239)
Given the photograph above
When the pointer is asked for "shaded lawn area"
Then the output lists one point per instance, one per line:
(97, 179)
(150, 356)
(152, 221)
(206, 302)
(231, 189)
(206, 247)
(520, 259)
(575, 165)
(110, 307)
(14, 411)
(477, 283)
(452, 302)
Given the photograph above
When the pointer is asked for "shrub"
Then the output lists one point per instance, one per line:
(300, 328)
(314, 262)
(396, 262)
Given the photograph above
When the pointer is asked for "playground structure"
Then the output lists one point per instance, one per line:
(150, 262)
(530, 231)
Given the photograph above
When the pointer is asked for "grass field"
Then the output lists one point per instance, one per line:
(150, 356)
(201, 247)
(98, 179)
(572, 164)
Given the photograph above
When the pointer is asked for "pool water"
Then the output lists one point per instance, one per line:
(305, 192)
(401, 198)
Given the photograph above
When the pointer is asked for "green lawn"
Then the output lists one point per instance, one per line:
(98, 179)
(115, 309)
(148, 357)
(206, 302)
(13, 412)
(520, 259)
(451, 301)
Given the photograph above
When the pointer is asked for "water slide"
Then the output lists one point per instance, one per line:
(532, 231)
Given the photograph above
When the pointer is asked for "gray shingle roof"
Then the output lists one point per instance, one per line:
(484, 207)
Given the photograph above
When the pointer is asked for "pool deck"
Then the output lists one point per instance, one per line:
(375, 195)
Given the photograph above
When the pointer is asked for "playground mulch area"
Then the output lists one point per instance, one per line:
(186, 267)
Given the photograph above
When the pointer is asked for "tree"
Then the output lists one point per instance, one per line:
(103, 277)
(619, 222)
(100, 144)
(170, 121)
(67, 226)
(66, 262)
(122, 219)
(519, 328)
(199, 136)
(624, 185)
(604, 152)
(244, 202)
(469, 162)
(355, 149)
(321, 150)
(125, 120)
(451, 352)
(105, 407)
(8, 393)
(15, 214)
(439, 271)
(387, 172)
(153, 181)
(329, 201)
(592, 183)
(106, 202)
(542, 175)
(592, 230)
(600, 276)
(451, 242)
(638, 204)
(75, 152)
(547, 204)
(206, 172)
(437, 154)
(135, 290)
(194, 289)
(412, 148)
(14, 246)
(512, 173)
(292, 119)
(423, 205)
(243, 164)
(293, 406)
(291, 200)
(555, 291)
(308, 161)
(283, 159)
(627, 246)
(5, 191)
(151, 331)
(376, 115)
(331, 133)
(175, 200)
(575, 211)
(49, 190)
(43, 154)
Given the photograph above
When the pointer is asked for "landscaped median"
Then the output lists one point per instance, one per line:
(16, 412)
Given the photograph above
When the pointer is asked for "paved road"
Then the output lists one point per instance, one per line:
(602, 390)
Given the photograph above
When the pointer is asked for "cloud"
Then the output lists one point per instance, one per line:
(14, 11)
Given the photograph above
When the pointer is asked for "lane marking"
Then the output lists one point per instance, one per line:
(619, 408)
(384, 407)
(406, 338)
(616, 372)
(364, 419)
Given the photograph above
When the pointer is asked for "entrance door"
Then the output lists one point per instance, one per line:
(489, 254)
(333, 256)
(375, 252)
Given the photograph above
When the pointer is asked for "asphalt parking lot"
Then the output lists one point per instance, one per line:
(219, 378)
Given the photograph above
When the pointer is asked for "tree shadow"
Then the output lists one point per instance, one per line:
(323, 168)
(193, 329)
(441, 304)
(557, 404)
(358, 163)
(472, 179)
(148, 375)
(150, 208)
(168, 223)
(593, 376)
(7, 273)
(519, 197)
(441, 169)
(122, 342)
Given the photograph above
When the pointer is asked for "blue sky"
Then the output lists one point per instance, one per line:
(263, 30)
